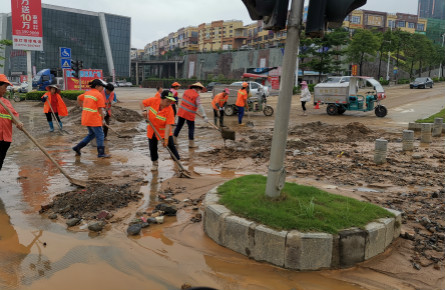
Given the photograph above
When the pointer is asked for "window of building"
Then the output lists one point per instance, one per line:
(411, 25)
(391, 23)
(400, 23)
(420, 27)
(355, 19)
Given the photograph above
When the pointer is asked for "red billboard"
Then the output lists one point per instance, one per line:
(354, 69)
(27, 24)
(86, 75)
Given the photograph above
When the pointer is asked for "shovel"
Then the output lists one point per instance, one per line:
(182, 171)
(118, 135)
(55, 119)
(225, 133)
(249, 123)
(77, 182)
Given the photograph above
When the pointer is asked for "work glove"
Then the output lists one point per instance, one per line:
(44, 99)
(103, 122)
(165, 142)
(221, 109)
(206, 119)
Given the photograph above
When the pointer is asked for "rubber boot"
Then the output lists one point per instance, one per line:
(154, 167)
(61, 125)
(51, 126)
(78, 147)
(215, 120)
(175, 140)
(101, 152)
(192, 144)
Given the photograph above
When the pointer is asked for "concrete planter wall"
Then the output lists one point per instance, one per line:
(294, 249)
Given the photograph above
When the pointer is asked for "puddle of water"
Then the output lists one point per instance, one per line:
(365, 189)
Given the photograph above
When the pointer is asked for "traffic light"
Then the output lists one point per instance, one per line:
(75, 68)
(272, 12)
(324, 13)
(80, 65)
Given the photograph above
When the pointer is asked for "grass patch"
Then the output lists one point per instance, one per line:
(430, 119)
(302, 208)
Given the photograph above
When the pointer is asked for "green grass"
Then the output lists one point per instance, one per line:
(303, 208)
(430, 119)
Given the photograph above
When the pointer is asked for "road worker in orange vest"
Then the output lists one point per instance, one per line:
(241, 102)
(158, 92)
(187, 112)
(110, 99)
(160, 114)
(174, 89)
(53, 104)
(218, 103)
(93, 114)
(6, 120)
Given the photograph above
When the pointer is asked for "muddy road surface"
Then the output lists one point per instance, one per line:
(335, 153)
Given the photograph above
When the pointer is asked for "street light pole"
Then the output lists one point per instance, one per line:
(277, 174)
(389, 57)
(440, 68)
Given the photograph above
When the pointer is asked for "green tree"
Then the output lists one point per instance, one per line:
(363, 46)
(3, 44)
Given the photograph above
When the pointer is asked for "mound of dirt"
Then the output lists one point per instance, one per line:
(118, 113)
(87, 203)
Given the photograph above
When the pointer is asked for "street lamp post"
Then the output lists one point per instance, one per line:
(389, 57)
(277, 174)
(440, 67)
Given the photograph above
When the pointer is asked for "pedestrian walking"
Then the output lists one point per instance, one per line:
(160, 114)
(6, 120)
(241, 102)
(218, 104)
(110, 99)
(53, 106)
(93, 114)
(174, 89)
(305, 96)
(187, 111)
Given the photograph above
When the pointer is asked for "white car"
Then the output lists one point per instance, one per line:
(255, 88)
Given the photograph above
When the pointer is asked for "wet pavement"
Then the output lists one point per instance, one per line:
(37, 253)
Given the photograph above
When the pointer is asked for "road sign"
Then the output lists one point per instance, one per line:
(65, 52)
(65, 62)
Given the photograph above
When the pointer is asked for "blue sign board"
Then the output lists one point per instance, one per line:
(65, 62)
(65, 52)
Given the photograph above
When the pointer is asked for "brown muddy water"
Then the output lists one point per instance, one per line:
(38, 253)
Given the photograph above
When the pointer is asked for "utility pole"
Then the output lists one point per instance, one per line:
(389, 57)
(277, 174)
(440, 68)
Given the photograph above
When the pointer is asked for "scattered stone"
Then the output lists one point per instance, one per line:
(104, 215)
(416, 266)
(186, 286)
(96, 226)
(145, 225)
(72, 222)
(169, 210)
(134, 229)
(197, 218)
(152, 220)
(159, 219)
(52, 216)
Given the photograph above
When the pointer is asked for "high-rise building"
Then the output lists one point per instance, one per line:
(100, 40)
(431, 9)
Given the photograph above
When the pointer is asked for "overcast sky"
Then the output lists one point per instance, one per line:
(154, 19)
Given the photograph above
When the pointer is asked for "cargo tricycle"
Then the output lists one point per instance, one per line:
(347, 96)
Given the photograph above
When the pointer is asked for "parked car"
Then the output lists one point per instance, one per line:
(23, 87)
(210, 86)
(255, 88)
(128, 84)
(422, 83)
(15, 87)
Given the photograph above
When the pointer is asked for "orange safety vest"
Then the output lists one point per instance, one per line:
(61, 109)
(188, 107)
(158, 95)
(6, 121)
(159, 119)
(241, 98)
(219, 99)
(93, 100)
(108, 102)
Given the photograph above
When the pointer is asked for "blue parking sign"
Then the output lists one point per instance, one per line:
(65, 62)
(65, 52)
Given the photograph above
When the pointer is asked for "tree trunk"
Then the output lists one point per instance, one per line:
(380, 66)
(361, 63)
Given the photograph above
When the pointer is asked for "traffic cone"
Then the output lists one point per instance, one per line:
(317, 106)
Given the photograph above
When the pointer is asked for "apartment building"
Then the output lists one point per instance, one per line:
(432, 9)
(221, 35)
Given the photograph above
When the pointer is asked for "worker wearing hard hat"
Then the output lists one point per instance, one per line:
(174, 89)
(188, 108)
(241, 102)
(93, 114)
(218, 103)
